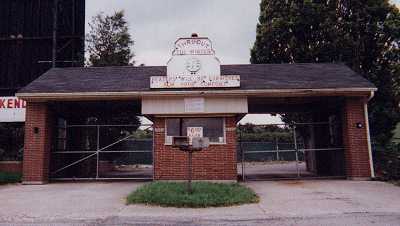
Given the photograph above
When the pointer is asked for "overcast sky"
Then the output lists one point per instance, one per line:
(155, 25)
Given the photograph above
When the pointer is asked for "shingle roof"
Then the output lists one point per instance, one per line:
(253, 77)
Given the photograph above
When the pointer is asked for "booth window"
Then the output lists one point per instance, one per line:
(213, 128)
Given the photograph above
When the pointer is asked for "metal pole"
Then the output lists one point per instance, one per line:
(190, 173)
(153, 153)
(73, 32)
(54, 47)
(277, 148)
(98, 152)
(296, 150)
(243, 157)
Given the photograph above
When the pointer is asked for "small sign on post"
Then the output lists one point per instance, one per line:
(193, 132)
(197, 144)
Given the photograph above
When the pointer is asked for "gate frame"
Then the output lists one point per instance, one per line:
(296, 150)
(100, 150)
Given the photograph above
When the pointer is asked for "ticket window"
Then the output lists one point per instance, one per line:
(211, 127)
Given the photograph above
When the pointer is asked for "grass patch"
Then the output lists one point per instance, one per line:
(8, 178)
(205, 194)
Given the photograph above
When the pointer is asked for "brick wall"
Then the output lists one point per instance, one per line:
(218, 162)
(37, 145)
(355, 139)
(11, 166)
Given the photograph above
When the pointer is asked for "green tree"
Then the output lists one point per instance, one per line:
(109, 42)
(364, 34)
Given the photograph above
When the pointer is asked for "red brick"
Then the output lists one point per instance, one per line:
(218, 162)
(11, 166)
(355, 139)
(37, 145)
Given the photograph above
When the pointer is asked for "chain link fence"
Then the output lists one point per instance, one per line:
(102, 152)
(290, 151)
(11, 141)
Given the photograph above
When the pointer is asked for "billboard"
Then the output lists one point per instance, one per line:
(12, 109)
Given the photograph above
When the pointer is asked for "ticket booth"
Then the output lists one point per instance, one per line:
(194, 66)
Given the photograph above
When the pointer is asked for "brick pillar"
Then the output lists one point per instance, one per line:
(218, 162)
(37, 143)
(355, 139)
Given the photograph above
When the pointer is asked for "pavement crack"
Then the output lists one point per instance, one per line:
(262, 209)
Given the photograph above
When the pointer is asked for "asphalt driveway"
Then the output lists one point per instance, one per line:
(324, 202)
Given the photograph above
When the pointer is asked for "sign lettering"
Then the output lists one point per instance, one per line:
(194, 81)
(193, 46)
(187, 71)
(12, 109)
(194, 132)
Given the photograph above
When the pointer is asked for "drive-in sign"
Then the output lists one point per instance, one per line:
(12, 109)
(194, 65)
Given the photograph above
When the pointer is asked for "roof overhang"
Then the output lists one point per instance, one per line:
(77, 96)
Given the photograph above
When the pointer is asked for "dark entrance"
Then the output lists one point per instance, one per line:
(308, 145)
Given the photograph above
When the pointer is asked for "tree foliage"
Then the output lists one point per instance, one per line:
(266, 133)
(364, 34)
(109, 42)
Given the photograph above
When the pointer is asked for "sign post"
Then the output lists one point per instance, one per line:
(184, 144)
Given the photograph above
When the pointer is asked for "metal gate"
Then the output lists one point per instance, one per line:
(93, 152)
(285, 151)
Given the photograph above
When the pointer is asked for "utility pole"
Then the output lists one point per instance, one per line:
(54, 49)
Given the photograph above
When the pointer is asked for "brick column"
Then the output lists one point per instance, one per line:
(355, 139)
(218, 162)
(37, 143)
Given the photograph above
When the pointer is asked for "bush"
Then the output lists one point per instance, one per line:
(205, 194)
(7, 178)
(387, 162)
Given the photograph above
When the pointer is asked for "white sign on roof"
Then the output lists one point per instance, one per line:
(194, 65)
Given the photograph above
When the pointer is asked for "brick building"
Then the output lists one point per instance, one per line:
(192, 96)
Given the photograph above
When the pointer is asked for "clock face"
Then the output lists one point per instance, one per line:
(193, 65)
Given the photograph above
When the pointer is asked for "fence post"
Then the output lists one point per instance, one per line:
(277, 148)
(153, 152)
(296, 150)
(97, 152)
(243, 156)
